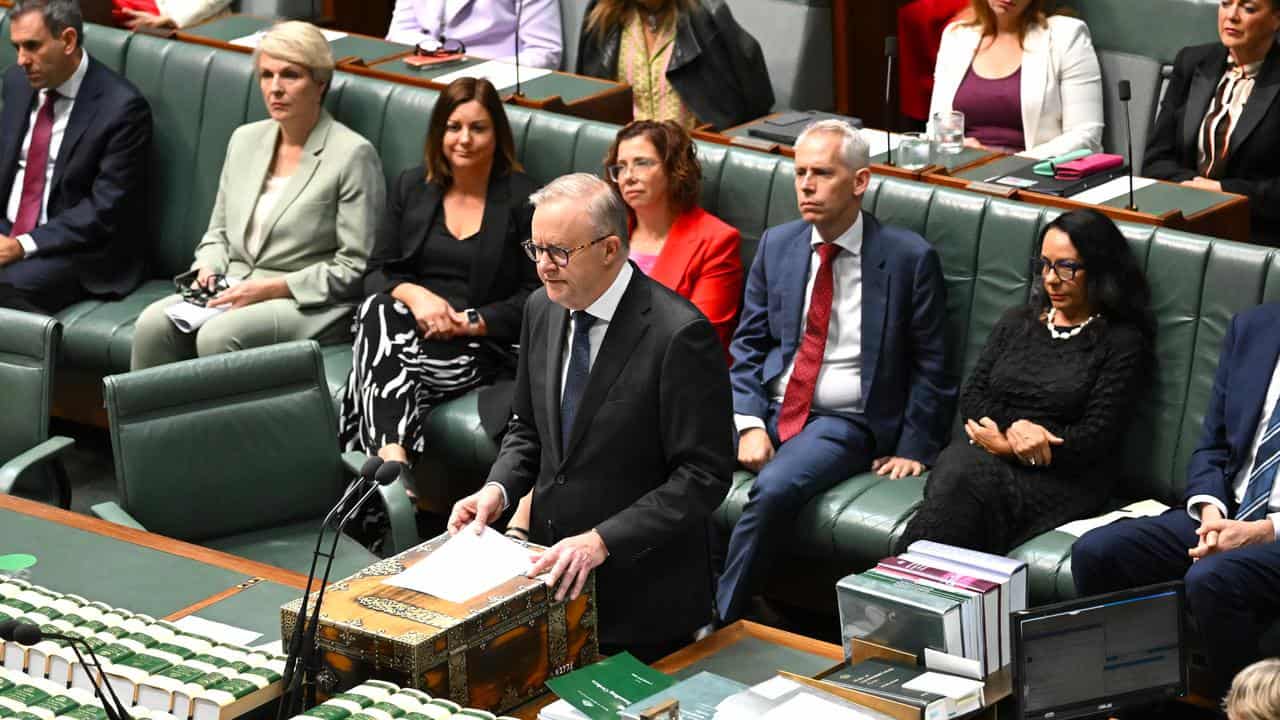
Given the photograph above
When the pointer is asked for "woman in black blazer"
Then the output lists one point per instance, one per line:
(1219, 125)
(446, 282)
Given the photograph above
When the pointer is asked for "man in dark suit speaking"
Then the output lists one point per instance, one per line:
(73, 151)
(623, 427)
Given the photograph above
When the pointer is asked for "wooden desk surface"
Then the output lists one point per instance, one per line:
(102, 560)
(1225, 216)
(820, 656)
(561, 92)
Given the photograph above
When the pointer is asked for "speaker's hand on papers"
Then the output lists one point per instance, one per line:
(248, 292)
(570, 561)
(477, 509)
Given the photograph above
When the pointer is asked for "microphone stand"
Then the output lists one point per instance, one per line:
(519, 10)
(1126, 94)
(302, 666)
(294, 668)
(890, 52)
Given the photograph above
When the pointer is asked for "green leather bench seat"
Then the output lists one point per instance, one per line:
(1155, 28)
(199, 96)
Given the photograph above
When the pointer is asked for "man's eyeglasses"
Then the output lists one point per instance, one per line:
(639, 166)
(1065, 269)
(560, 256)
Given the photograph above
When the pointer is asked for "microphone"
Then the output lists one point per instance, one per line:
(301, 647)
(890, 52)
(1126, 93)
(519, 9)
(27, 634)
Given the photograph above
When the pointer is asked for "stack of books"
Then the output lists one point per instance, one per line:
(151, 664)
(939, 597)
(23, 697)
(379, 700)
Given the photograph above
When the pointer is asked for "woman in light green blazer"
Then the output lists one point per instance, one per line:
(294, 220)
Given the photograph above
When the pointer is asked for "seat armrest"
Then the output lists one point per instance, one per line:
(12, 470)
(353, 461)
(403, 516)
(112, 512)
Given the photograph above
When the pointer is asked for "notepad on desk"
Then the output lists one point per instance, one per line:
(466, 566)
(502, 75)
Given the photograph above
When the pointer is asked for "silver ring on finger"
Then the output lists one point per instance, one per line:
(1033, 461)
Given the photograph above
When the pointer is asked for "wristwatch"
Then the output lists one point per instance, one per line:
(473, 316)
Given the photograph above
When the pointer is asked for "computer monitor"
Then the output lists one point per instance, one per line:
(1091, 656)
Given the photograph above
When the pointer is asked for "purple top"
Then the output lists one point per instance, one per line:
(645, 261)
(992, 110)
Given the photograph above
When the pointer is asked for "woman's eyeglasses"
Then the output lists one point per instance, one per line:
(560, 256)
(639, 166)
(1065, 269)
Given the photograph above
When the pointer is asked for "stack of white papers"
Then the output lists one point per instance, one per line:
(466, 566)
(501, 74)
(251, 41)
(1143, 508)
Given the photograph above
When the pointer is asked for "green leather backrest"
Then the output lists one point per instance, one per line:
(106, 44)
(225, 444)
(28, 346)
(1155, 28)
(175, 78)
(392, 116)
(8, 55)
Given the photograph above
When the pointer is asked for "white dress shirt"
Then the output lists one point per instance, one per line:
(602, 310)
(272, 190)
(1242, 478)
(61, 114)
(839, 384)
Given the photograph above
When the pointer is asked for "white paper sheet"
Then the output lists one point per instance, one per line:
(188, 317)
(808, 706)
(1111, 189)
(251, 41)
(501, 74)
(878, 143)
(221, 632)
(775, 687)
(1143, 508)
(467, 565)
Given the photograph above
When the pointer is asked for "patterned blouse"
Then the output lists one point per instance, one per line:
(645, 70)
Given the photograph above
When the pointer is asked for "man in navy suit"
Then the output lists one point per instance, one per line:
(839, 360)
(1223, 543)
(73, 152)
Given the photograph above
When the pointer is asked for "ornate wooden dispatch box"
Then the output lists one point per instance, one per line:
(494, 652)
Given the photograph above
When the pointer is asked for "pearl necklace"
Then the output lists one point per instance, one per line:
(1057, 334)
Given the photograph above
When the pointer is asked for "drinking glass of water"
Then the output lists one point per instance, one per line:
(948, 128)
(914, 151)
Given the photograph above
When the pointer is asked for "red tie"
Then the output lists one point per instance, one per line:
(37, 163)
(804, 375)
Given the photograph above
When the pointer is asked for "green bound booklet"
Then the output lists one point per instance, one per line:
(602, 690)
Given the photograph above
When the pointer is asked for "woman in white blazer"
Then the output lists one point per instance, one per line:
(1059, 85)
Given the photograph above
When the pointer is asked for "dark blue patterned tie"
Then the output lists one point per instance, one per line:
(575, 382)
(1257, 489)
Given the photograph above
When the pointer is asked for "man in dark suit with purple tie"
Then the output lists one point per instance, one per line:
(73, 151)
(1222, 543)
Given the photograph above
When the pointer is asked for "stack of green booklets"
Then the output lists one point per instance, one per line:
(151, 664)
(379, 700)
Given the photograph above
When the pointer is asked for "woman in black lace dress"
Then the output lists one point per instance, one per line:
(1048, 403)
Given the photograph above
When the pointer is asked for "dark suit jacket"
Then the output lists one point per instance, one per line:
(1252, 165)
(97, 203)
(501, 278)
(908, 395)
(650, 458)
(1249, 354)
(716, 67)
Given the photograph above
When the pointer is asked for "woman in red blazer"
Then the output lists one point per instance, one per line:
(654, 167)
